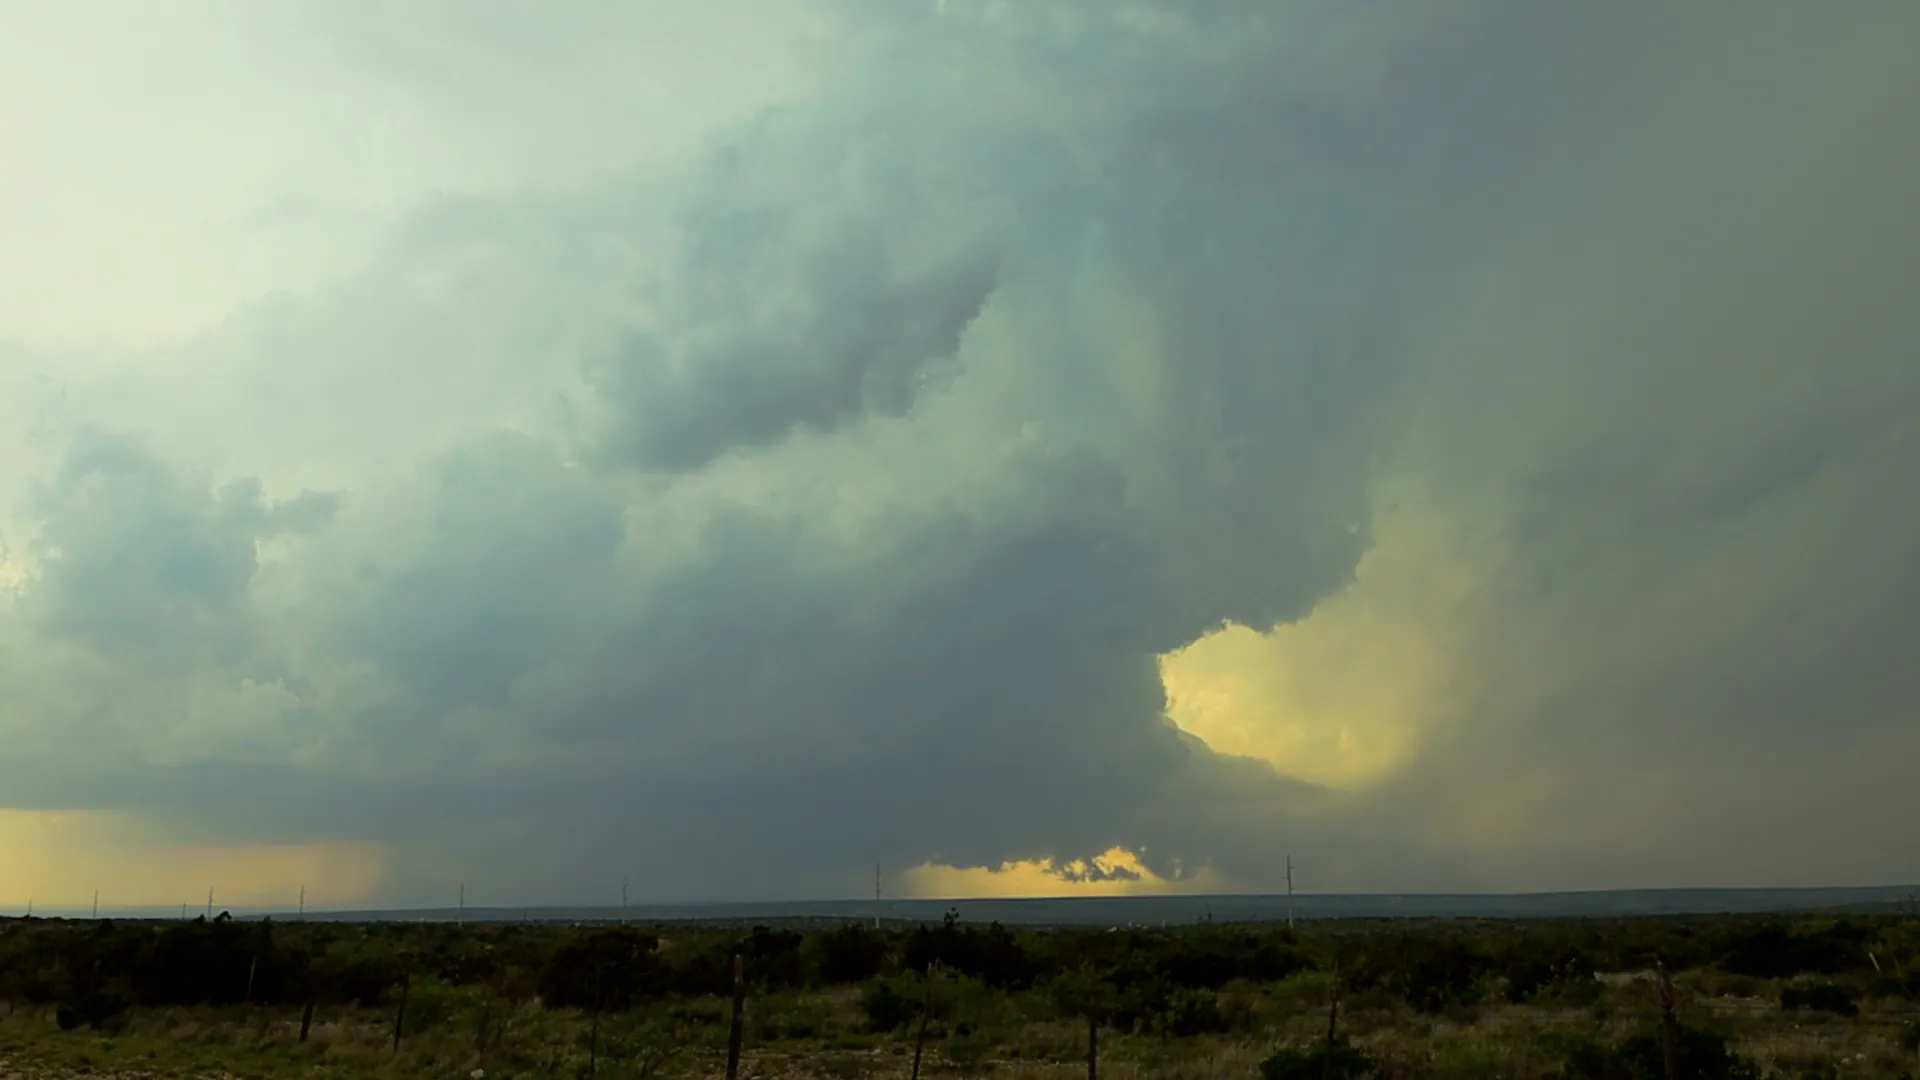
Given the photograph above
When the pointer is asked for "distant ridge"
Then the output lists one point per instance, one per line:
(1154, 910)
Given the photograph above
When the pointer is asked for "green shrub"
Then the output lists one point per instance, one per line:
(1822, 997)
(1240, 1005)
(1586, 1058)
(968, 1051)
(1303, 991)
(1533, 971)
(1700, 1055)
(1188, 1013)
(430, 1003)
(1374, 999)
(1571, 991)
(605, 970)
(849, 954)
(845, 1066)
(886, 1007)
(1910, 1038)
(94, 1009)
(1470, 1061)
(1778, 949)
(1339, 1060)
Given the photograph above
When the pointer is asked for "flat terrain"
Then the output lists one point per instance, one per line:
(1173, 910)
(1177, 910)
(1806, 996)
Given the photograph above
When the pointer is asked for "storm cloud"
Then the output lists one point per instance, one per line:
(1460, 445)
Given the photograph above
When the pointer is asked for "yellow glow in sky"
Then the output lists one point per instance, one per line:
(1041, 878)
(13, 575)
(1340, 697)
(58, 860)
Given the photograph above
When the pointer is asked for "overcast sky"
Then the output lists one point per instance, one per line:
(1053, 447)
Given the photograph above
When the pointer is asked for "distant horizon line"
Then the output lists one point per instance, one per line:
(868, 904)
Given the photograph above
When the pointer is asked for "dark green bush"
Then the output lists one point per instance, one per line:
(1532, 974)
(1339, 1060)
(1822, 997)
(1571, 990)
(1188, 1013)
(993, 955)
(607, 970)
(1700, 1055)
(1588, 1058)
(885, 1007)
(92, 1009)
(849, 954)
(1781, 950)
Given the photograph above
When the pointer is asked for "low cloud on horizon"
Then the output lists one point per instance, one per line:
(1083, 447)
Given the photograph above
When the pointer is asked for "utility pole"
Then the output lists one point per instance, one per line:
(303, 902)
(209, 903)
(1289, 892)
(96, 905)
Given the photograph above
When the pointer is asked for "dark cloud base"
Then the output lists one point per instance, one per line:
(1028, 350)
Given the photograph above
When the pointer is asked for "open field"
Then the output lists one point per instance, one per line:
(1800, 996)
(1154, 910)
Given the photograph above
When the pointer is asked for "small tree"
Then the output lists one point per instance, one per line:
(604, 971)
(1090, 994)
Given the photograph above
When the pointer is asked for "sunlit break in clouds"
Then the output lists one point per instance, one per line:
(1077, 447)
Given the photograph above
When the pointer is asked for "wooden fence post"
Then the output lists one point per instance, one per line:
(400, 1017)
(1333, 1005)
(1669, 1023)
(1093, 1047)
(734, 1031)
(926, 1013)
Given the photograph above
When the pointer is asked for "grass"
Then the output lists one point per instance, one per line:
(473, 1000)
(1010, 1037)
